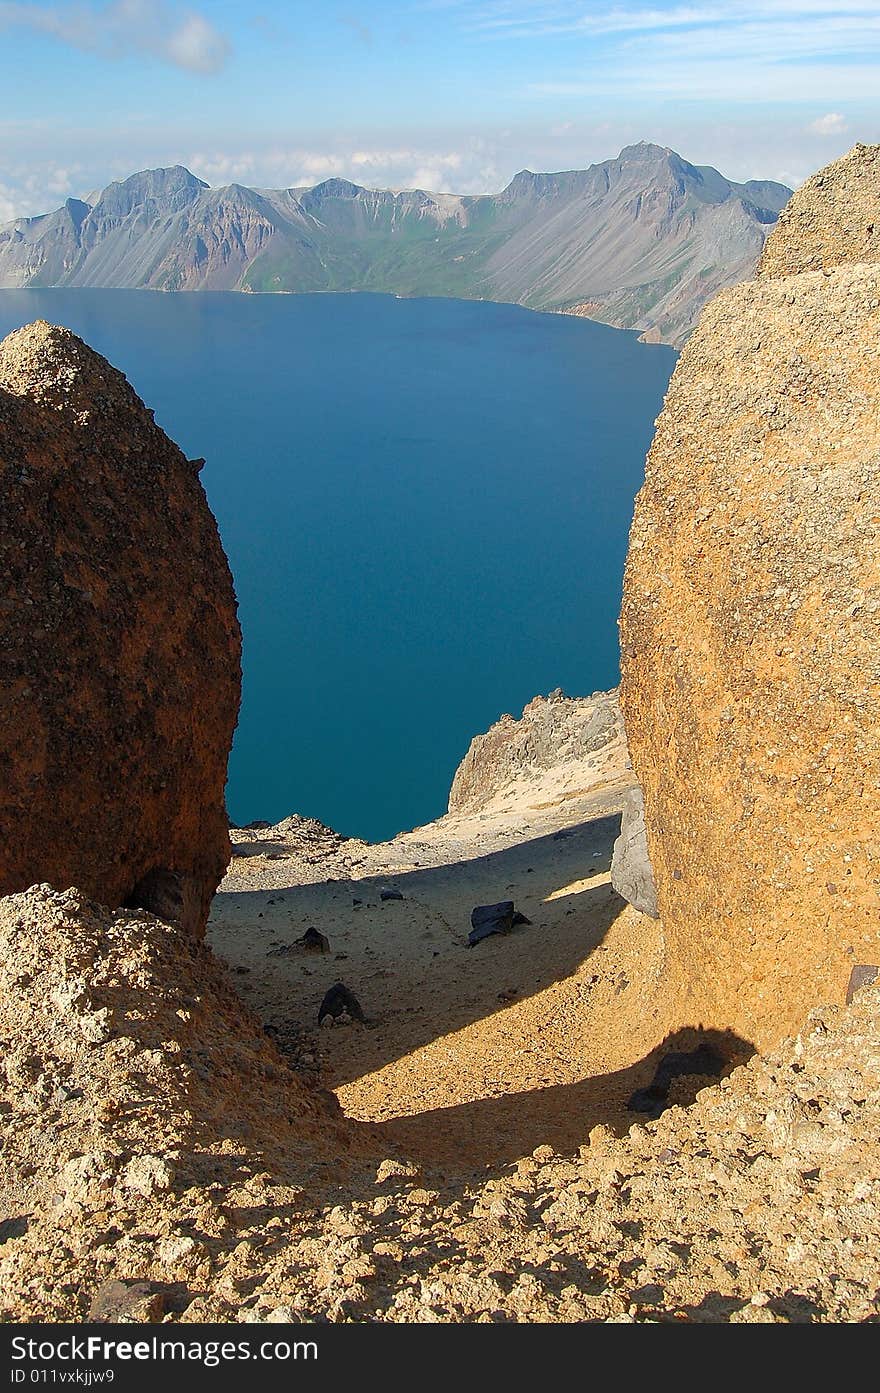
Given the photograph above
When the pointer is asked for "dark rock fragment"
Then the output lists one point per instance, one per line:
(862, 975)
(313, 942)
(127, 1300)
(489, 919)
(339, 1001)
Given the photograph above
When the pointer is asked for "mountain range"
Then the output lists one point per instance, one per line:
(640, 241)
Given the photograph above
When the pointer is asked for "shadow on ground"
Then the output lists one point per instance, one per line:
(562, 1117)
(421, 986)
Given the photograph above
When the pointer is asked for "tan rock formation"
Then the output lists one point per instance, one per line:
(134, 1088)
(162, 1162)
(120, 667)
(750, 636)
(583, 734)
(832, 219)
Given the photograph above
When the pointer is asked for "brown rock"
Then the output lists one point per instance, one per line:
(113, 1147)
(834, 218)
(120, 670)
(750, 638)
(120, 1302)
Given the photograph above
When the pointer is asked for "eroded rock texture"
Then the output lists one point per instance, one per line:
(833, 218)
(555, 730)
(750, 638)
(119, 643)
(160, 1159)
(134, 1087)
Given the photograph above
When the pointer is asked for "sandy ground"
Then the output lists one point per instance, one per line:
(470, 1057)
(154, 1137)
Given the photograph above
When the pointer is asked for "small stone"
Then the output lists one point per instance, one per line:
(179, 1250)
(280, 1315)
(862, 975)
(313, 942)
(339, 1001)
(487, 919)
(392, 1167)
(147, 1175)
(127, 1301)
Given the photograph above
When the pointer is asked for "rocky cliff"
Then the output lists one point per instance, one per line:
(578, 737)
(639, 241)
(750, 629)
(120, 643)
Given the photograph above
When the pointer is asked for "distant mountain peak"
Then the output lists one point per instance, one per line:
(640, 148)
(175, 185)
(337, 188)
(170, 178)
(640, 240)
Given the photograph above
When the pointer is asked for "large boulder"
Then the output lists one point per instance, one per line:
(750, 635)
(119, 642)
(834, 218)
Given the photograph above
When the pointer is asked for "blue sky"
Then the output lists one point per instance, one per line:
(446, 94)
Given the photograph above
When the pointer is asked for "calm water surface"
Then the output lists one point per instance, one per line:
(425, 504)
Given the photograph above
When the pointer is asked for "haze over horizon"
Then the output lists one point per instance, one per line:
(449, 95)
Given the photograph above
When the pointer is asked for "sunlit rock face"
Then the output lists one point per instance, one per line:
(750, 633)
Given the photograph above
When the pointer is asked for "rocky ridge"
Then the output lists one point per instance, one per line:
(640, 241)
(579, 735)
(831, 220)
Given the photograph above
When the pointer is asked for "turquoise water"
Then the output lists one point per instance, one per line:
(425, 504)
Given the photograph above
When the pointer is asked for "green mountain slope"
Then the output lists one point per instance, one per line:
(640, 241)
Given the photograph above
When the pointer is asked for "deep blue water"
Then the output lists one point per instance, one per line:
(425, 504)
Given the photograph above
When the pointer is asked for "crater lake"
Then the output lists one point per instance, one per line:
(425, 504)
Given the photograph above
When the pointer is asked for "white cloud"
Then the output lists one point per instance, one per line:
(831, 124)
(440, 171)
(197, 45)
(533, 18)
(31, 188)
(9, 203)
(739, 50)
(183, 38)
